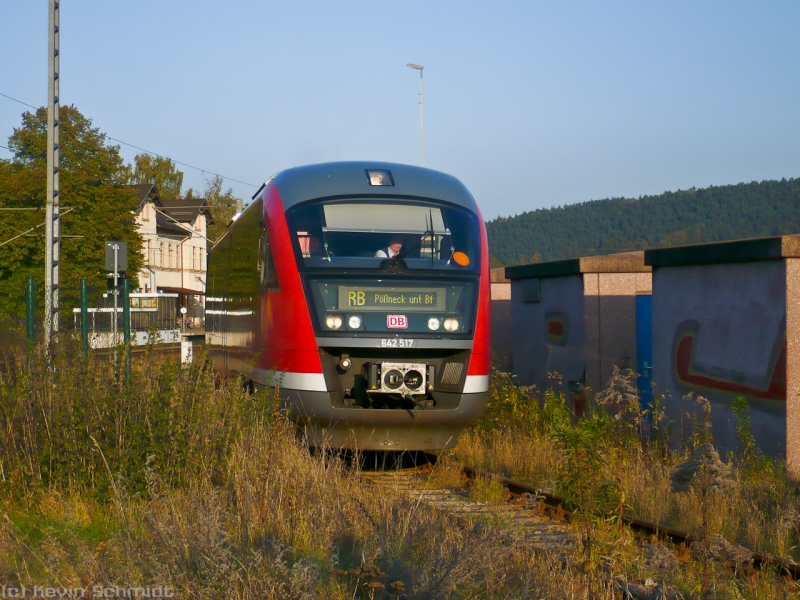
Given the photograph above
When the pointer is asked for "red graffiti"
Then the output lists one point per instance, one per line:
(724, 380)
(556, 329)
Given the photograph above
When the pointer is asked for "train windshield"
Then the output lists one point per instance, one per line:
(371, 234)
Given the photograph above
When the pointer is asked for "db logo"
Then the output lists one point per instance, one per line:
(396, 321)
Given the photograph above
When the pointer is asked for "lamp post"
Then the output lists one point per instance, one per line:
(421, 114)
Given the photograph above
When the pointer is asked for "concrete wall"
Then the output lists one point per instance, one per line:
(793, 365)
(596, 313)
(719, 330)
(534, 352)
(501, 320)
(610, 314)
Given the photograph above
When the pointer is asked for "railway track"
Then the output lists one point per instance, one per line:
(541, 520)
(541, 528)
(644, 527)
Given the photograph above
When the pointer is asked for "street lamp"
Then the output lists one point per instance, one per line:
(421, 114)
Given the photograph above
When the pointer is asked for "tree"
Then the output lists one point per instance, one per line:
(692, 216)
(223, 207)
(158, 170)
(95, 205)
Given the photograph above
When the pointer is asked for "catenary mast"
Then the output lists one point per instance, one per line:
(53, 218)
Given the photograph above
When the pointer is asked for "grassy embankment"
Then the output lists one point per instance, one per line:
(606, 463)
(162, 477)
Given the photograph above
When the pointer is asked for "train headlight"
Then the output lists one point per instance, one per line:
(393, 379)
(380, 177)
(451, 325)
(333, 321)
(413, 379)
(433, 323)
(354, 322)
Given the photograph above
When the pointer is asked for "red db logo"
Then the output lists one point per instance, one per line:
(396, 322)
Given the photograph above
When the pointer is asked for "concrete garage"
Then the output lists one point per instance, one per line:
(576, 317)
(726, 322)
(501, 319)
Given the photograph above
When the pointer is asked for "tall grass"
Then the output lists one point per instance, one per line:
(166, 476)
(611, 459)
(88, 425)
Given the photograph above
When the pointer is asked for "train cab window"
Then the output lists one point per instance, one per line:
(358, 234)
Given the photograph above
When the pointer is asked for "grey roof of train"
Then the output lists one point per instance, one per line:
(348, 179)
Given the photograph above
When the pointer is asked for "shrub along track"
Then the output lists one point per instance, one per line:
(541, 519)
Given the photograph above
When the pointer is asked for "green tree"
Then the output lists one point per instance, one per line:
(222, 204)
(95, 205)
(692, 216)
(158, 170)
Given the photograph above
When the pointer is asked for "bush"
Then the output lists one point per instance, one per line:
(87, 425)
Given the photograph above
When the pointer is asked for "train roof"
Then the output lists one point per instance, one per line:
(349, 179)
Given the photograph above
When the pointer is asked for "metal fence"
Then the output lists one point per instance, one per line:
(148, 311)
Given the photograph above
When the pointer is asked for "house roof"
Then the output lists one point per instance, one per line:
(144, 191)
(186, 210)
(163, 223)
(183, 210)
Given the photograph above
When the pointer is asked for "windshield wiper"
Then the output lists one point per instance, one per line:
(429, 231)
(433, 237)
(325, 245)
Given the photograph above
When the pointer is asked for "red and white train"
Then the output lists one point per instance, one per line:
(361, 291)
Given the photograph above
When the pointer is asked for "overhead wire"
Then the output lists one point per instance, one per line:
(177, 162)
(35, 228)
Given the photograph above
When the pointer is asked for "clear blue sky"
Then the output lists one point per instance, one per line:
(530, 104)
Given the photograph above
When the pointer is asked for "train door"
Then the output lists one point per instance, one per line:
(644, 348)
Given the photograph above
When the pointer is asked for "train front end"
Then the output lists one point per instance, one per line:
(376, 324)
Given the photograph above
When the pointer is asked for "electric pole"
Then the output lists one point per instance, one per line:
(53, 215)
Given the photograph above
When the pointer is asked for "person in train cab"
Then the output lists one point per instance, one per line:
(392, 250)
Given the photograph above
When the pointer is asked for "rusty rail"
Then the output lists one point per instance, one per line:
(637, 524)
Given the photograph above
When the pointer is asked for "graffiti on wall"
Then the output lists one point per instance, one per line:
(556, 328)
(770, 385)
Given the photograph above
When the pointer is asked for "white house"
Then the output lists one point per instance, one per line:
(175, 247)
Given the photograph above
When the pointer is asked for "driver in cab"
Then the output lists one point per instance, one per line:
(392, 250)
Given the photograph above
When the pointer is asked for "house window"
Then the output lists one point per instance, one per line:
(164, 263)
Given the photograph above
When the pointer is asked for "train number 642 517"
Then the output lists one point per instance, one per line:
(397, 343)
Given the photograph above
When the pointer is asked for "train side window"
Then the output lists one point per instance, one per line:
(266, 264)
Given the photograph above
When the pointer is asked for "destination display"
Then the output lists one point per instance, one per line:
(381, 298)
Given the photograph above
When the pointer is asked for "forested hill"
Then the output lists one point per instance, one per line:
(689, 216)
